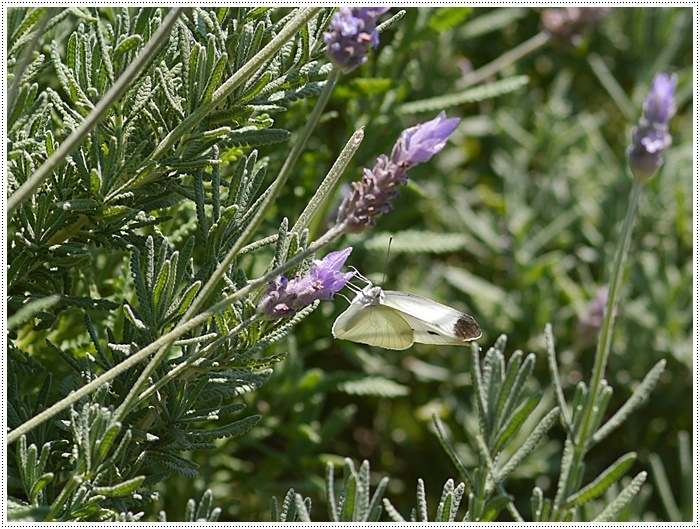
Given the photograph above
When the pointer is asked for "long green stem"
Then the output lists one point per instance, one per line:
(506, 59)
(329, 182)
(93, 118)
(581, 442)
(606, 331)
(171, 336)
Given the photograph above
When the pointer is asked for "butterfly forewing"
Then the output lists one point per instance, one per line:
(433, 322)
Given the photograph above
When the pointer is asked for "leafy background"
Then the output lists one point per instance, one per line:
(515, 222)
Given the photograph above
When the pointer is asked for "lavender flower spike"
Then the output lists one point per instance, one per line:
(353, 33)
(650, 137)
(372, 196)
(283, 297)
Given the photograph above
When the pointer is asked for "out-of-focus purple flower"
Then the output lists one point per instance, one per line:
(283, 297)
(372, 196)
(353, 32)
(650, 137)
(567, 25)
(590, 322)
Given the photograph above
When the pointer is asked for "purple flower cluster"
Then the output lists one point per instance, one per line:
(353, 33)
(567, 25)
(372, 196)
(283, 297)
(650, 137)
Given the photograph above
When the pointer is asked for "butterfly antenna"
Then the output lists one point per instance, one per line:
(386, 261)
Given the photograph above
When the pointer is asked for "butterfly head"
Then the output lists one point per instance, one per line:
(371, 295)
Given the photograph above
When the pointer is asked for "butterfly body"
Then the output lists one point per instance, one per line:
(397, 320)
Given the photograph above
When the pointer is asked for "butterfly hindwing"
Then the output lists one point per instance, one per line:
(374, 325)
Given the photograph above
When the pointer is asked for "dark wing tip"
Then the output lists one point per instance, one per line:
(466, 328)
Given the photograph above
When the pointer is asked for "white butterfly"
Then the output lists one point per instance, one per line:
(395, 320)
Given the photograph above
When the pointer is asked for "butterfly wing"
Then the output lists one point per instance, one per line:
(433, 322)
(373, 325)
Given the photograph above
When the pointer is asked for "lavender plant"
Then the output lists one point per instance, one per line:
(156, 285)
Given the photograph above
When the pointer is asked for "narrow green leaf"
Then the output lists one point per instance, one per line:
(514, 422)
(330, 494)
(349, 496)
(607, 478)
(421, 503)
(507, 389)
(444, 508)
(536, 504)
(375, 386)
(375, 508)
(107, 440)
(494, 507)
(40, 483)
(19, 267)
(392, 512)
(633, 403)
(180, 305)
(122, 489)
(252, 91)
(301, 510)
(361, 493)
(471, 95)
(252, 137)
(215, 78)
(129, 43)
(416, 241)
(664, 488)
(204, 507)
(274, 510)
(518, 385)
(554, 374)
(450, 451)
(231, 430)
(135, 321)
(479, 389)
(622, 500)
(30, 309)
(529, 445)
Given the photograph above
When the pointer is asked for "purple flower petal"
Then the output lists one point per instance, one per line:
(418, 144)
(650, 137)
(323, 280)
(352, 33)
(660, 104)
(372, 195)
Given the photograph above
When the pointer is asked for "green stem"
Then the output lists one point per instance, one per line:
(62, 498)
(329, 182)
(94, 117)
(173, 335)
(506, 59)
(203, 352)
(584, 434)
